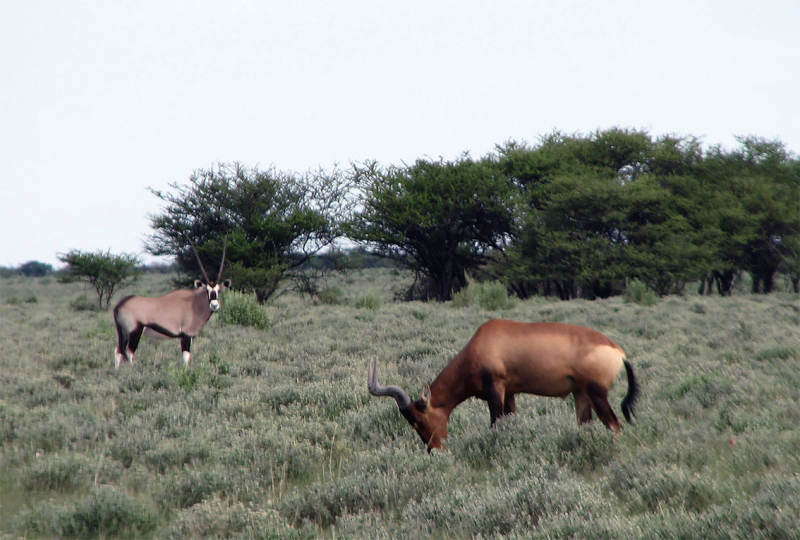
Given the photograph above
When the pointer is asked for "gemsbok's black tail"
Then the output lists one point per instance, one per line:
(123, 332)
(633, 394)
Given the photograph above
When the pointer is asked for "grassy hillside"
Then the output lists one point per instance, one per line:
(272, 433)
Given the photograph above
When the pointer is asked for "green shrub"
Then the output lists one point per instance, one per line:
(106, 512)
(243, 310)
(188, 487)
(175, 455)
(17, 301)
(188, 379)
(777, 353)
(494, 296)
(393, 480)
(216, 518)
(331, 295)
(466, 296)
(637, 292)
(648, 488)
(369, 300)
(490, 296)
(83, 303)
(55, 473)
(773, 512)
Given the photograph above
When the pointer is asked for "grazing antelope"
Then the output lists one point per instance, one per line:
(179, 314)
(504, 358)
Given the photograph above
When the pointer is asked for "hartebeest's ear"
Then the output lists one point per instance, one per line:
(227, 284)
(198, 284)
(425, 397)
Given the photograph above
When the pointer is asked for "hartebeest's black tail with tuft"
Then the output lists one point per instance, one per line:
(633, 394)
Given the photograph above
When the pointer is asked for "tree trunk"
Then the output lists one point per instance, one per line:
(725, 279)
(763, 282)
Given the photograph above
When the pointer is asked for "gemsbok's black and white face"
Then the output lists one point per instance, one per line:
(213, 290)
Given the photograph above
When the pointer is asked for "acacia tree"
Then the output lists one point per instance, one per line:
(436, 218)
(102, 270)
(599, 210)
(755, 207)
(274, 222)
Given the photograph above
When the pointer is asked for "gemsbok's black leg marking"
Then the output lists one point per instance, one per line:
(186, 344)
(136, 335)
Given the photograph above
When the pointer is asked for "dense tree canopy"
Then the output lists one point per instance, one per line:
(616, 205)
(572, 215)
(273, 222)
(437, 218)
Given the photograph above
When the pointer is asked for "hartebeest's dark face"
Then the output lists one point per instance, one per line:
(212, 290)
(429, 422)
(426, 415)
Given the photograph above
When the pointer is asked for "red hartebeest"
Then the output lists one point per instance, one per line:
(179, 314)
(505, 358)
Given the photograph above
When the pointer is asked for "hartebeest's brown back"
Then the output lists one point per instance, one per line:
(505, 358)
(542, 358)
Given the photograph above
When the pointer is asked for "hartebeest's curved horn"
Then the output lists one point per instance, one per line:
(376, 389)
(202, 269)
(222, 264)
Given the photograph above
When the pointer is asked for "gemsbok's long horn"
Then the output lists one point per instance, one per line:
(222, 264)
(376, 389)
(202, 269)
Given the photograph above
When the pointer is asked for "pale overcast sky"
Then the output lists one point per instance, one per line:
(100, 100)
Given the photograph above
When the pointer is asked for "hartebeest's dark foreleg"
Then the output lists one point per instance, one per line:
(583, 407)
(494, 395)
(510, 406)
(599, 397)
(495, 403)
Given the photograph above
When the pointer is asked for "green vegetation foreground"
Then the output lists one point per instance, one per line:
(272, 432)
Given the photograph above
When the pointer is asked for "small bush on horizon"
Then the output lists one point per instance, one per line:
(331, 295)
(490, 296)
(637, 292)
(368, 300)
(243, 310)
(83, 303)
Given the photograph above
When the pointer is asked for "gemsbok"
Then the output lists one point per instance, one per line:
(181, 314)
(505, 358)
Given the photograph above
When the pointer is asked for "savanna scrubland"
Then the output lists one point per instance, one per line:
(271, 432)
